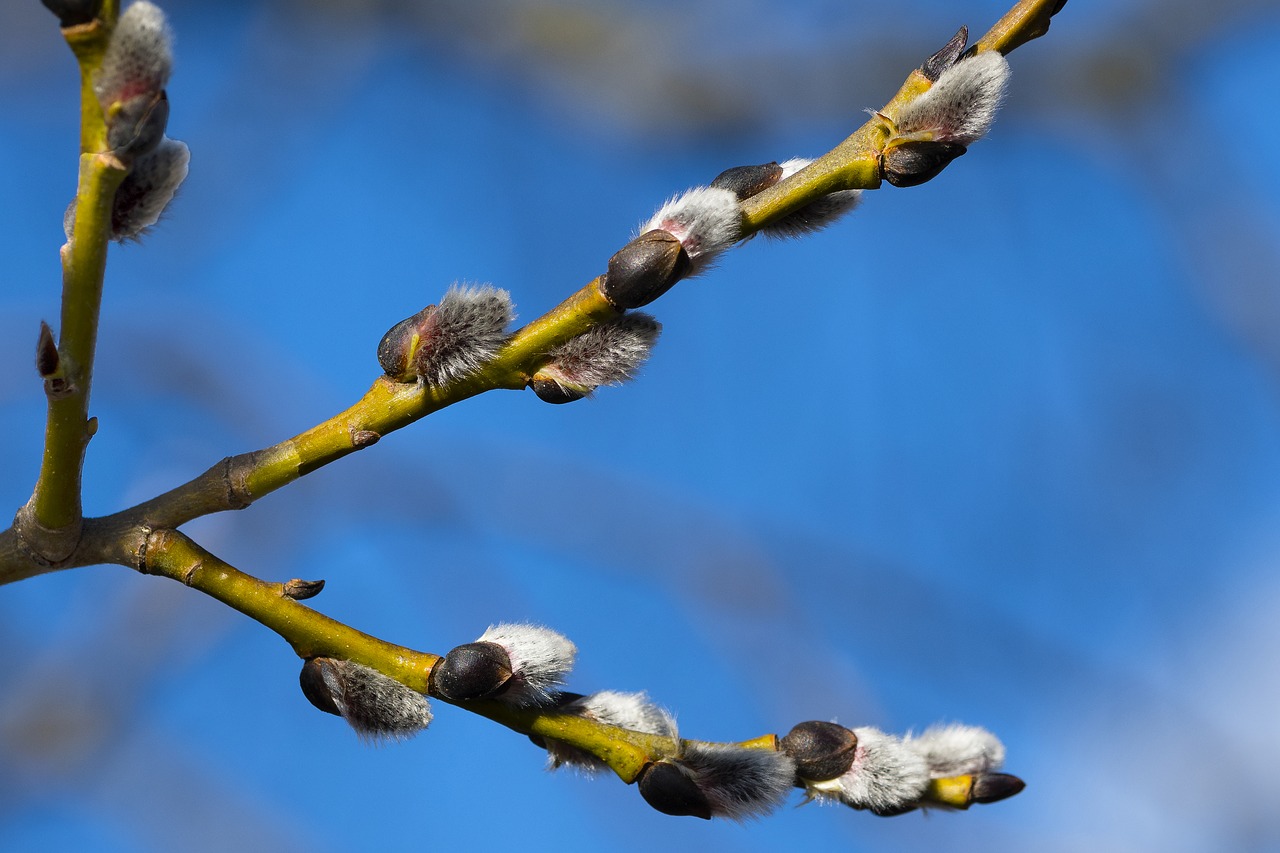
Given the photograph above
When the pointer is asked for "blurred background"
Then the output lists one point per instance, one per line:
(1002, 449)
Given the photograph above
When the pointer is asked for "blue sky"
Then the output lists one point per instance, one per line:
(1001, 449)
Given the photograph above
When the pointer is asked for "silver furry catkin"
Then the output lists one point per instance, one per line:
(631, 711)
(466, 330)
(540, 660)
(737, 782)
(606, 354)
(814, 216)
(146, 191)
(376, 706)
(139, 57)
(885, 775)
(706, 221)
(957, 750)
(961, 106)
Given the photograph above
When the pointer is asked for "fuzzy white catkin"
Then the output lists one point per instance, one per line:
(139, 57)
(885, 774)
(146, 191)
(376, 706)
(740, 783)
(607, 354)
(633, 711)
(962, 104)
(706, 221)
(467, 329)
(957, 750)
(814, 216)
(540, 660)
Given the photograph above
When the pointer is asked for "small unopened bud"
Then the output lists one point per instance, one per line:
(961, 106)
(946, 56)
(377, 707)
(73, 12)
(911, 163)
(815, 215)
(139, 57)
(706, 221)
(957, 750)
(607, 354)
(632, 711)
(147, 190)
(820, 750)
(517, 664)
(644, 269)
(446, 342)
(471, 671)
(300, 590)
(993, 787)
(671, 790)
(739, 782)
(746, 181)
(47, 359)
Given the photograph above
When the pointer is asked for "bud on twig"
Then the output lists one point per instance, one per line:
(606, 354)
(821, 750)
(300, 590)
(73, 12)
(738, 782)
(909, 164)
(671, 790)
(446, 342)
(644, 269)
(47, 359)
(961, 106)
(746, 181)
(377, 707)
(946, 56)
(885, 777)
(993, 787)
(513, 663)
(706, 221)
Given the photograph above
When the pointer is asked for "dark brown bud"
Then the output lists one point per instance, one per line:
(912, 163)
(471, 671)
(362, 438)
(892, 811)
(300, 590)
(136, 126)
(746, 181)
(401, 342)
(946, 57)
(820, 750)
(993, 787)
(318, 688)
(73, 12)
(47, 359)
(672, 791)
(551, 391)
(644, 269)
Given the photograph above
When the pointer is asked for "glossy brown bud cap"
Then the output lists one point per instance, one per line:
(300, 590)
(993, 787)
(820, 750)
(672, 791)
(913, 163)
(400, 344)
(73, 12)
(47, 359)
(746, 181)
(644, 269)
(471, 671)
(946, 56)
(318, 678)
(551, 391)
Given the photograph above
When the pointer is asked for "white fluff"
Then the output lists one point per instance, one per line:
(376, 706)
(139, 57)
(464, 333)
(885, 775)
(633, 711)
(706, 221)
(957, 750)
(607, 354)
(814, 216)
(738, 782)
(540, 660)
(146, 191)
(962, 104)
